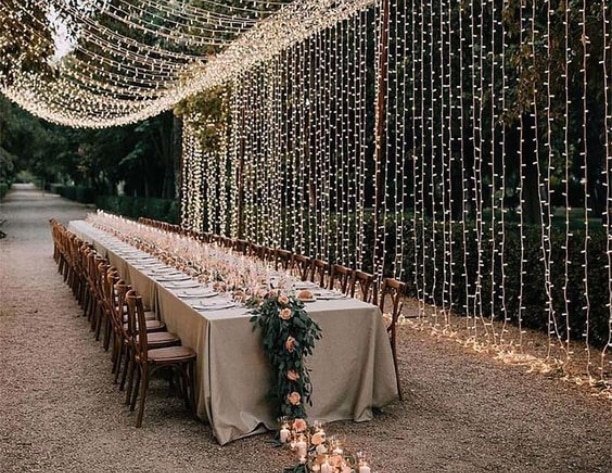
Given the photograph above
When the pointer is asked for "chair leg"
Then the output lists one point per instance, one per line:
(114, 350)
(397, 376)
(130, 366)
(107, 332)
(184, 374)
(144, 382)
(126, 367)
(135, 388)
(100, 322)
(191, 386)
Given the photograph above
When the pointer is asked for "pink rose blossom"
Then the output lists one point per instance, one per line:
(293, 375)
(294, 398)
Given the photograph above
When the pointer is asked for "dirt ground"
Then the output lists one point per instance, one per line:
(60, 411)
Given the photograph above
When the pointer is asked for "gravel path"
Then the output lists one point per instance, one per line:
(60, 411)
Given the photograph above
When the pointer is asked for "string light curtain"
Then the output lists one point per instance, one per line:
(463, 148)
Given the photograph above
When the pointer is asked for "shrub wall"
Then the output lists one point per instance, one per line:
(134, 207)
(4, 188)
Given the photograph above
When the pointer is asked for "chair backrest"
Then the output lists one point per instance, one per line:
(137, 323)
(116, 309)
(302, 266)
(100, 276)
(320, 271)
(268, 255)
(283, 259)
(255, 250)
(121, 289)
(363, 286)
(391, 293)
(340, 277)
(240, 246)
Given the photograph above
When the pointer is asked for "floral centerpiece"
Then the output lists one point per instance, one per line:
(289, 336)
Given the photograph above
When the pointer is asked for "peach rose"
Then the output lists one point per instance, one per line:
(318, 438)
(336, 461)
(286, 313)
(293, 375)
(290, 344)
(283, 299)
(294, 398)
(299, 425)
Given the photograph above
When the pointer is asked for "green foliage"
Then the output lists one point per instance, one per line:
(289, 336)
(26, 45)
(208, 114)
(4, 188)
(477, 273)
(135, 207)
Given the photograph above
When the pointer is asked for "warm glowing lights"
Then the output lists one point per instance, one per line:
(114, 78)
(449, 199)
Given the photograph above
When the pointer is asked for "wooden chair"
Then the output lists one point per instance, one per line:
(320, 271)
(363, 286)
(391, 293)
(98, 283)
(146, 360)
(302, 266)
(340, 278)
(283, 259)
(255, 250)
(127, 330)
(240, 246)
(268, 255)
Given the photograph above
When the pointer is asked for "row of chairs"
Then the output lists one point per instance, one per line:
(139, 342)
(388, 293)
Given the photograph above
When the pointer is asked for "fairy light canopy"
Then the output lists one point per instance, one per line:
(112, 62)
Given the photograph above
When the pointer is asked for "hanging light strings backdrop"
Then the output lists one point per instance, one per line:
(398, 141)
(464, 147)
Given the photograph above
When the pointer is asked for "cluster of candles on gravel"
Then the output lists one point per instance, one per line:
(318, 452)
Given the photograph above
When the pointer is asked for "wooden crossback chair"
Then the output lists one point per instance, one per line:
(363, 286)
(302, 266)
(147, 359)
(391, 293)
(340, 278)
(283, 259)
(320, 272)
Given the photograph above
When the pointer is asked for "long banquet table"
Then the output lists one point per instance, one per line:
(351, 368)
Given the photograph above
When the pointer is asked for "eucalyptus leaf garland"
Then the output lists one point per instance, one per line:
(289, 336)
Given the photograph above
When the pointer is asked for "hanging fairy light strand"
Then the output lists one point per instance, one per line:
(244, 45)
(473, 129)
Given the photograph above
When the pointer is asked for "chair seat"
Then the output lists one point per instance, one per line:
(152, 325)
(161, 339)
(170, 355)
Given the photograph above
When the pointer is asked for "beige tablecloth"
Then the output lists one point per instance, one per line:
(351, 369)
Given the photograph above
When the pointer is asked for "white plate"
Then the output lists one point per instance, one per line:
(182, 284)
(217, 306)
(196, 294)
(172, 278)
